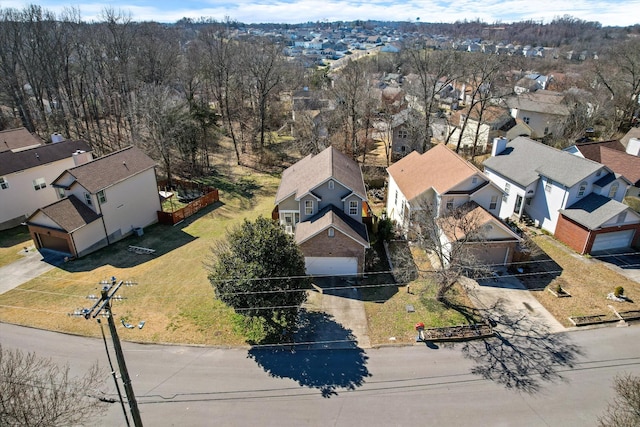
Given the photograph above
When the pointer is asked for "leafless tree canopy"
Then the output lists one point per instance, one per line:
(624, 411)
(36, 392)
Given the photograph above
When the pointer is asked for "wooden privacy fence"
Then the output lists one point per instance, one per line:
(171, 218)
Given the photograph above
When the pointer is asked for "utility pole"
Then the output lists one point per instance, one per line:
(103, 305)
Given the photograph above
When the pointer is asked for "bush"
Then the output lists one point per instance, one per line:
(618, 291)
(559, 288)
(385, 229)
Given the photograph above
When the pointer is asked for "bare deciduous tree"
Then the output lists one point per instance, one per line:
(452, 236)
(34, 391)
(625, 409)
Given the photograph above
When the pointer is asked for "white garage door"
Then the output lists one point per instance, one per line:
(618, 239)
(318, 266)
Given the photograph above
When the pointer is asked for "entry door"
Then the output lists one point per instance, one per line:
(518, 205)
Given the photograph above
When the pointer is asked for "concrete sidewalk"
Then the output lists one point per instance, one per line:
(32, 265)
(508, 296)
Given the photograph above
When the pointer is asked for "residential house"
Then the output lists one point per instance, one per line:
(27, 169)
(495, 122)
(406, 133)
(441, 181)
(18, 139)
(321, 200)
(613, 155)
(100, 202)
(550, 186)
(543, 111)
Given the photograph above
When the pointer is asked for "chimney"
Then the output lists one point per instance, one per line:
(633, 147)
(499, 144)
(56, 137)
(81, 157)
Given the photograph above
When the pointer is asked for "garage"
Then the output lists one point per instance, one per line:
(331, 266)
(615, 240)
(54, 243)
(491, 255)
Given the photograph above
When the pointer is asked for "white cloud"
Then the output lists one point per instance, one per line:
(607, 12)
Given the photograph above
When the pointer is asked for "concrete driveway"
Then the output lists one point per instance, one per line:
(32, 265)
(506, 297)
(345, 323)
(625, 262)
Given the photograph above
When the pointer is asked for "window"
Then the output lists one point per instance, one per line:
(102, 199)
(353, 207)
(331, 184)
(494, 203)
(403, 134)
(3, 183)
(308, 207)
(331, 232)
(613, 190)
(621, 217)
(396, 201)
(60, 193)
(582, 189)
(507, 189)
(87, 199)
(546, 130)
(548, 185)
(474, 180)
(526, 120)
(39, 184)
(449, 204)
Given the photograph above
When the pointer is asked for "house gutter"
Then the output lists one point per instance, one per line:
(104, 226)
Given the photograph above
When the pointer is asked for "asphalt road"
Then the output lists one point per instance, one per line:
(534, 380)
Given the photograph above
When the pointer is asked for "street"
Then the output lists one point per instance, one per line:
(533, 380)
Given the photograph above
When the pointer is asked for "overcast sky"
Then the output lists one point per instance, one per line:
(607, 12)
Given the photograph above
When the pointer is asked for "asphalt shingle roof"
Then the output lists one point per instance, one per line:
(541, 101)
(69, 213)
(439, 168)
(311, 171)
(108, 170)
(331, 216)
(524, 160)
(11, 162)
(594, 210)
(15, 139)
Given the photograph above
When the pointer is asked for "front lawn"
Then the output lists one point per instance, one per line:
(386, 306)
(173, 295)
(587, 280)
(12, 242)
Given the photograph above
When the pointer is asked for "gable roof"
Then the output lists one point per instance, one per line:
(108, 170)
(311, 171)
(477, 217)
(594, 210)
(15, 161)
(524, 160)
(331, 216)
(69, 213)
(439, 168)
(541, 101)
(620, 162)
(591, 150)
(16, 139)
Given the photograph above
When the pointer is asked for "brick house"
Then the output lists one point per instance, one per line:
(320, 201)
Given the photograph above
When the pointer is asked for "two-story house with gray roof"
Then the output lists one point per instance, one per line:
(27, 168)
(576, 199)
(100, 202)
(321, 200)
(543, 111)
